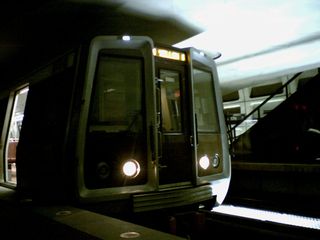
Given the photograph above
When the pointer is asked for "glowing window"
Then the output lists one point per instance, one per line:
(13, 134)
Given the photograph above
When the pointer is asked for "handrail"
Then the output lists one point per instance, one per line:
(261, 104)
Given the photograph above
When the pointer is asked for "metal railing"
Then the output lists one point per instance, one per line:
(232, 129)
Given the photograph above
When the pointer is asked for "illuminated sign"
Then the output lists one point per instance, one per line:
(165, 53)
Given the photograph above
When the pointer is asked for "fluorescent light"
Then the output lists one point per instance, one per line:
(231, 106)
(126, 38)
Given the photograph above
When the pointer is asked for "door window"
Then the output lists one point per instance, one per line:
(170, 101)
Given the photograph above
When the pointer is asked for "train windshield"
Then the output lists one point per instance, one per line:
(116, 134)
(117, 96)
(204, 101)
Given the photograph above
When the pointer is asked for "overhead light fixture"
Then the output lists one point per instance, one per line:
(126, 38)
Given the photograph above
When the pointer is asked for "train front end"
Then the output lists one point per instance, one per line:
(151, 128)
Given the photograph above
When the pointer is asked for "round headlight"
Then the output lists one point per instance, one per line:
(103, 170)
(131, 168)
(204, 162)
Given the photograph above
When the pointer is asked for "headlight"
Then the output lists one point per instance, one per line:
(131, 168)
(216, 160)
(204, 162)
(103, 170)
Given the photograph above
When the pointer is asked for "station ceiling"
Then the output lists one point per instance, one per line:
(258, 40)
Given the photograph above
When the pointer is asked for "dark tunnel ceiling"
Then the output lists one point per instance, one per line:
(34, 31)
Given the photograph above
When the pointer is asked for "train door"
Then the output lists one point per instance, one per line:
(175, 160)
(117, 126)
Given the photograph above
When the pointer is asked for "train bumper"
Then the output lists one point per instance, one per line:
(173, 198)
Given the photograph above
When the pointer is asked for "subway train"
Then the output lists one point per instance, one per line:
(118, 123)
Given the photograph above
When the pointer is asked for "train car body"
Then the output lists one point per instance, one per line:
(117, 120)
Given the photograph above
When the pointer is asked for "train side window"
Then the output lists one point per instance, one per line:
(16, 111)
(170, 101)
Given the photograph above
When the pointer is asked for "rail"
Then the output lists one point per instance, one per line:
(232, 130)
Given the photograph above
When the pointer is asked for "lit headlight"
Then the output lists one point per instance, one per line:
(204, 162)
(131, 168)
